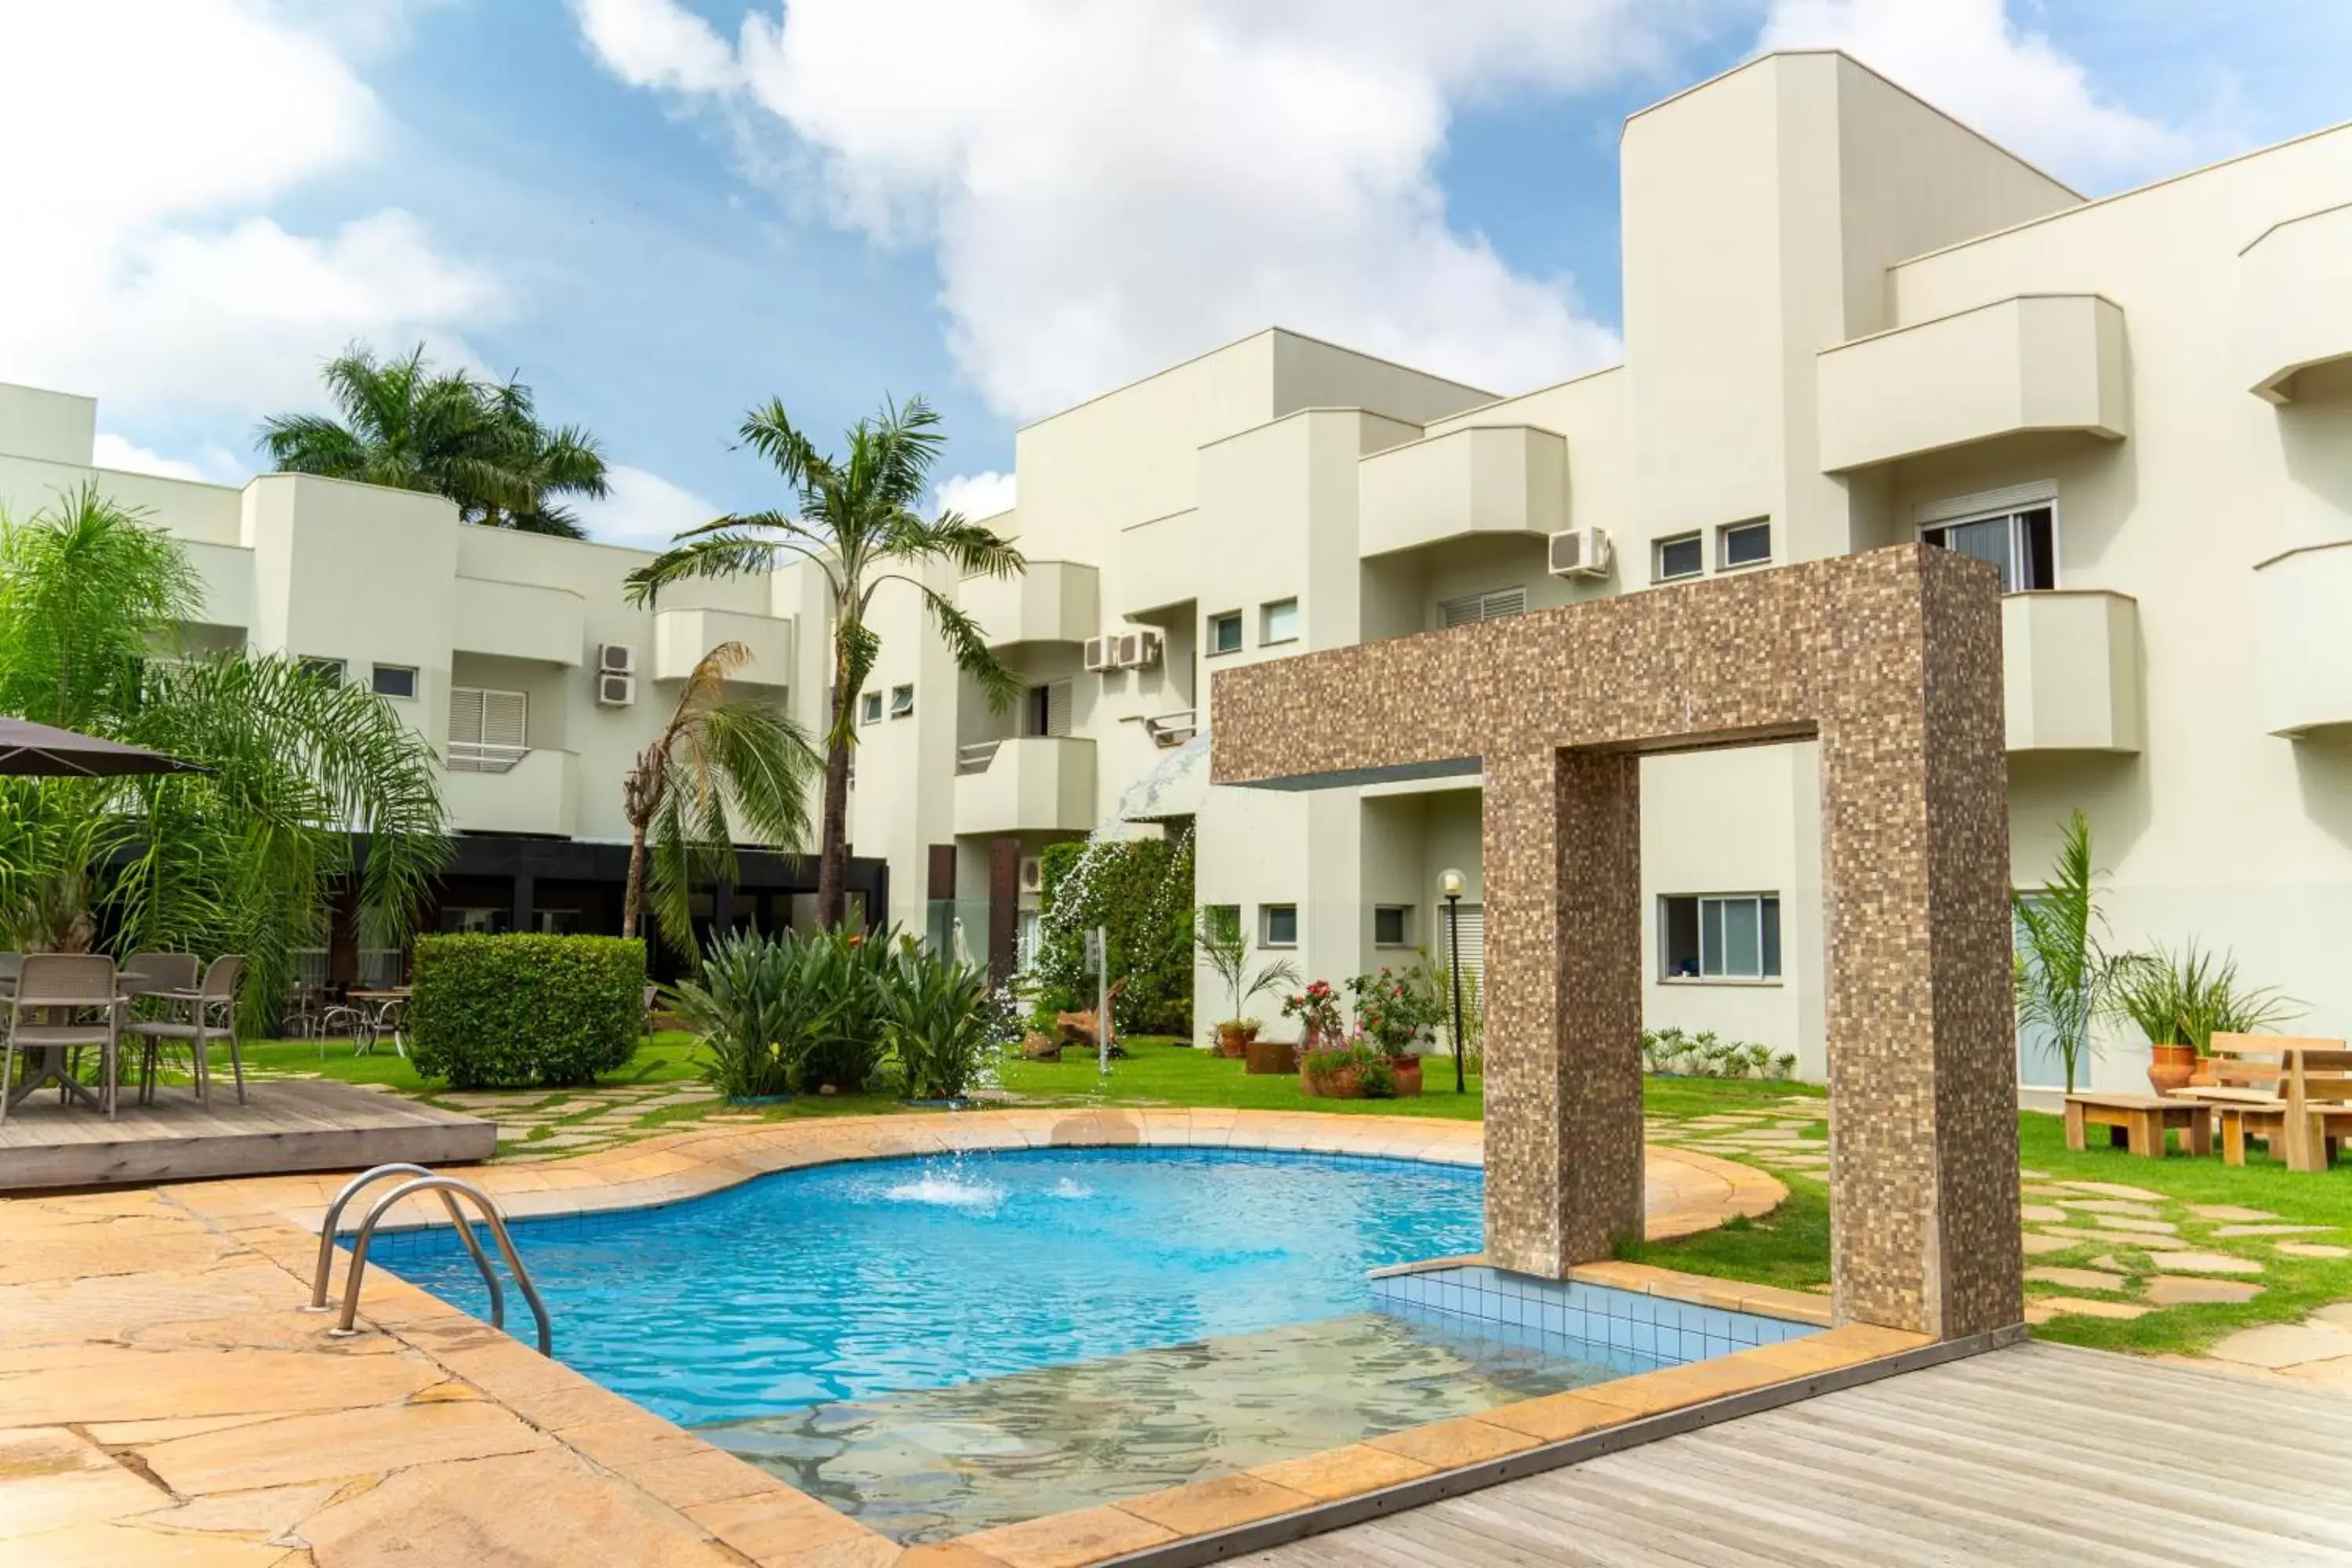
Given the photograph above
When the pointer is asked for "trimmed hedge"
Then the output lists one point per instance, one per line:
(1141, 890)
(525, 1008)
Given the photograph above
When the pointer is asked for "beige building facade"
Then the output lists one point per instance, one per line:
(1850, 321)
(516, 656)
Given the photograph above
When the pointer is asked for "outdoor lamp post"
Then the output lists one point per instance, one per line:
(1451, 882)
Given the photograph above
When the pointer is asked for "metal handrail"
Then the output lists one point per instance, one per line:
(481, 1200)
(351, 1189)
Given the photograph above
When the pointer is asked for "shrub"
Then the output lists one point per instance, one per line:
(945, 1028)
(1396, 1011)
(1141, 891)
(846, 972)
(758, 1015)
(526, 1009)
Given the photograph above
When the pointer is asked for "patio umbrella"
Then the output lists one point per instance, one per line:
(26, 748)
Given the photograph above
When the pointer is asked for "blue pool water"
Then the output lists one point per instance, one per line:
(851, 1282)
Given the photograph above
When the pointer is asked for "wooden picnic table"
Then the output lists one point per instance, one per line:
(2293, 1091)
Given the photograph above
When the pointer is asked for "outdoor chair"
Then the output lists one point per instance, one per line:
(57, 985)
(208, 1013)
(154, 986)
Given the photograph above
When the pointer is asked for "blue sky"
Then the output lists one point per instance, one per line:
(659, 211)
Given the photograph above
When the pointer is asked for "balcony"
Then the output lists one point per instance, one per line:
(2297, 313)
(1053, 601)
(2034, 363)
(1502, 479)
(682, 637)
(226, 572)
(2070, 664)
(519, 620)
(1158, 565)
(1032, 784)
(2304, 640)
(513, 789)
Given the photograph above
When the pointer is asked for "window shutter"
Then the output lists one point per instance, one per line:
(465, 715)
(504, 718)
(1492, 606)
(1473, 940)
(1058, 708)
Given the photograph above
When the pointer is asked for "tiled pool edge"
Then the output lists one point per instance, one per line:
(749, 1511)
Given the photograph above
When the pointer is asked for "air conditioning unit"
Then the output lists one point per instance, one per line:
(1102, 653)
(1139, 651)
(1033, 874)
(1579, 553)
(615, 691)
(617, 659)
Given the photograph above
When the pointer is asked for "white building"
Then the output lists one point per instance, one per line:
(515, 654)
(1850, 321)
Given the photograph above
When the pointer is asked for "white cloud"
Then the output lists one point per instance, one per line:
(1970, 59)
(976, 496)
(643, 510)
(656, 44)
(141, 157)
(1111, 186)
(109, 450)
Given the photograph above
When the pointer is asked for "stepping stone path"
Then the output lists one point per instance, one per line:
(2313, 1249)
(2165, 1291)
(2078, 1278)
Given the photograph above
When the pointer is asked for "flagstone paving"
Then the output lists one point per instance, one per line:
(164, 1400)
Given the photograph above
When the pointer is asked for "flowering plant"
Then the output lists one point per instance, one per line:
(1317, 1008)
(1393, 1011)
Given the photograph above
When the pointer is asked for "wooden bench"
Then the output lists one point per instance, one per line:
(2293, 1092)
(2140, 1122)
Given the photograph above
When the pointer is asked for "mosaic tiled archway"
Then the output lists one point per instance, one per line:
(1893, 660)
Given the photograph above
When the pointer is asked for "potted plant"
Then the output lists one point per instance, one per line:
(1317, 1008)
(1227, 953)
(1393, 1013)
(2180, 1001)
(1354, 1068)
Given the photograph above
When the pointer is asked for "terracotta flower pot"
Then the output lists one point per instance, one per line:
(1345, 1084)
(1270, 1057)
(2204, 1076)
(1232, 1039)
(1408, 1075)
(2170, 1068)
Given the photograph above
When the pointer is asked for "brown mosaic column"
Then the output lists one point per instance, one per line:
(1563, 874)
(1922, 1053)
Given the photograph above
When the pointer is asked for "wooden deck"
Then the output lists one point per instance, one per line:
(2034, 1453)
(285, 1126)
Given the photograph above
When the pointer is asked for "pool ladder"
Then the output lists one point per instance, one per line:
(423, 1179)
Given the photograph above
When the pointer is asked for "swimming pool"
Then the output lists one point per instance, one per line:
(850, 1281)
(939, 1344)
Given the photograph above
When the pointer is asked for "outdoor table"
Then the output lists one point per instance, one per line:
(375, 1016)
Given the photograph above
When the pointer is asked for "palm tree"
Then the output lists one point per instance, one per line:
(409, 426)
(2064, 980)
(714, 749)
(857, 520)
(245, 856)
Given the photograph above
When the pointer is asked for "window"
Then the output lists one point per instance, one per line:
(902, 702)
(1682, 556)
(1392, 925)
(1494, 604)
(2021, 545)
(1743, 544)
(329, 670)
(1277, 622)
(489, 731)
(1046, 710)
(1277, 925)
(869, 708)
(1226, 633)
(392, 680)
(1720, 936)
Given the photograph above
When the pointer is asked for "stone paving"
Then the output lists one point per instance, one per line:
(164, 1400)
